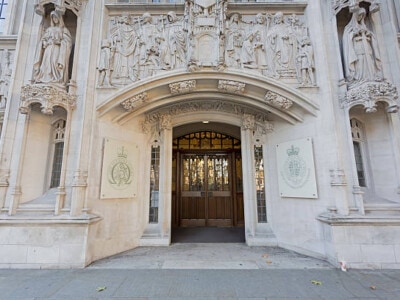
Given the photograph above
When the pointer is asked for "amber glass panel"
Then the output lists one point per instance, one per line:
(193, 173)
(206, 140)
(218, 176)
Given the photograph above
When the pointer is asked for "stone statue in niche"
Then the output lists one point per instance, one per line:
(175, 37)
(282, 44)
(234, 42)
(361, 57)
(306, 65)
(125, 43)
(52, 56)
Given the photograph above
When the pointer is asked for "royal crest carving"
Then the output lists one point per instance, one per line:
(369, 94)
(47, 96)
(277, 100)
(182, 87)
(230, 86)
(207, 35)
(134, 102)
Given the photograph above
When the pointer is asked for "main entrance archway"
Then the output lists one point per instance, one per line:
(207, 188)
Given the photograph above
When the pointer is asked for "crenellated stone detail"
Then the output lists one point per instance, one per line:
(134, 102)
(47, 96)
(230, 86)
(277, 100)
(370, 93)
(182, 87)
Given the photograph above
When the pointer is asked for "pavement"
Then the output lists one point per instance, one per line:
(202, 271)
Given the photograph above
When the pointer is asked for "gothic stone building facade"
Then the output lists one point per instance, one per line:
(122, 120)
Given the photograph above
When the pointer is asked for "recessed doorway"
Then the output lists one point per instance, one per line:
(207, 195)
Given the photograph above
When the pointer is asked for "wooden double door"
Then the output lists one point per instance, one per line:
(207, 190)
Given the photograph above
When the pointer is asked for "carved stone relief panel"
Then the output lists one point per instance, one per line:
(277, 100)
(231, 86)
(207, 35)
(182, 87)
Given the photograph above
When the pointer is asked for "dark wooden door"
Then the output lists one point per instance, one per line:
(206, 190)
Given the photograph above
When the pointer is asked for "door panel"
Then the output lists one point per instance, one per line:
(206, 193)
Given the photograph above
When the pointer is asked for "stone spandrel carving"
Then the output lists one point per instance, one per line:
(277, 100)
(53, 53)
(60, 5)
(134, 102)
(338, 5)
(207, 35)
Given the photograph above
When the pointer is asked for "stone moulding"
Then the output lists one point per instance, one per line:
(182, 87)
(277, 100)
(368, 94)
(47, 96)
(230, 86)
(134, 102)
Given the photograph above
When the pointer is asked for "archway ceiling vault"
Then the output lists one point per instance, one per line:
(248, 92)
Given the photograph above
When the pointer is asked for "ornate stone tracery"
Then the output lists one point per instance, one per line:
(60, 5)
(47, 96)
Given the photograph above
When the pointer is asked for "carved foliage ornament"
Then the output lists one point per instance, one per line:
(230, 86)
(182, 87)
(369, 93)
(135, 101)
(48, 96)
(277, 100)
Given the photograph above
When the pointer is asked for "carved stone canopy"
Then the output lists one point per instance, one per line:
(368, 94)
(338, 5)
(60, 6)
(47, 96)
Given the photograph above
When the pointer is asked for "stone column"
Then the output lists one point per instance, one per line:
(164, 209)
(249, 196)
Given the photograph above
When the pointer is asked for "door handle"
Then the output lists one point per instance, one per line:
(203, 194)
(210, 194)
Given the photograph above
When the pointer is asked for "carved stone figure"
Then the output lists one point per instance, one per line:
(125, 40)
(52, 56)
(282, 45)
(149, 47)
(248, 58)
(362, 61)
(260, 54)
(234, 42)
(175, 37)
(105, 64)
(306, 62)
